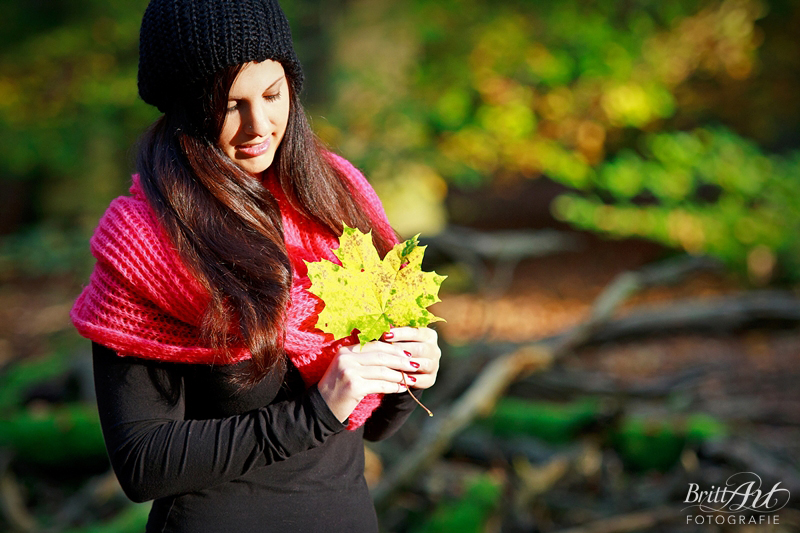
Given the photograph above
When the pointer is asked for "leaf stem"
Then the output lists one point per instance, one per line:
(415, 398)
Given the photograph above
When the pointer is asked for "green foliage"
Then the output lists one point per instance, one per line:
(643, 443)
(657, 444)
(451, 92)
(708, 191)
(45, 250)
(69, 111)
(132, 519)
(479, 90)
(469, 513)
(20, 377)
(552, 422)
(57, 435)
(476, 92)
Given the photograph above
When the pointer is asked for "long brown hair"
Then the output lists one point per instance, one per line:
(227, 226)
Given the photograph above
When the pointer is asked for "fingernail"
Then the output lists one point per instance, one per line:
(412, 378)
(414, 364)
(407, 353)
(388, 335)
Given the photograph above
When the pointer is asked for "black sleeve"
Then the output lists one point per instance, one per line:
(156, 453)
(390, 415)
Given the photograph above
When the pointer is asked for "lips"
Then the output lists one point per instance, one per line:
(253, 150)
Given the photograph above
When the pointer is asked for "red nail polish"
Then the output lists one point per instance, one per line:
(412, 378)
(414, 364)
(407, 353)
(388, 335)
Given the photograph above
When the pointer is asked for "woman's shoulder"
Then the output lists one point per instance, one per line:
(131, 243)
(128, 227)
(140, 292)
(128, 213)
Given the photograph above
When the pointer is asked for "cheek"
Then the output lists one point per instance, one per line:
(226, 136)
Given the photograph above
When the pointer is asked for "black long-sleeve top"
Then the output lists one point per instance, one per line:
(219, 458)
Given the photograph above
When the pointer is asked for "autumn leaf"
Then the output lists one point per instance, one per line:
(373, 294)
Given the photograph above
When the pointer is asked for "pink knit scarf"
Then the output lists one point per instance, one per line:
(142, 301)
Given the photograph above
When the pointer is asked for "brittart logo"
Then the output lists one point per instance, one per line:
(741, 495)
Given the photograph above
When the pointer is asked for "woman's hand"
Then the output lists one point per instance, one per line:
(379, 367)
(356, 371)
(421, 345)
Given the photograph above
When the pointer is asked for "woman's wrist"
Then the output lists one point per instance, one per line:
(326, 415)
(339, 405)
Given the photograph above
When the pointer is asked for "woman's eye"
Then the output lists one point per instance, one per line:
(232, 107)
(271, 97)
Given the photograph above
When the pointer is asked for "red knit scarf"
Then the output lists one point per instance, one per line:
(142, 301)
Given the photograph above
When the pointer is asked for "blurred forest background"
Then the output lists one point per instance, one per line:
(612, 187)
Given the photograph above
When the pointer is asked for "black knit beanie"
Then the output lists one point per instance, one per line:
(183, 42)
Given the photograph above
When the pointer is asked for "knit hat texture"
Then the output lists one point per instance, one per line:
(182, 42)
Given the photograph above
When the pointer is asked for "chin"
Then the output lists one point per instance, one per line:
(256, 165)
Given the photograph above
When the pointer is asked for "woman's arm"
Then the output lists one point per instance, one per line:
(390, 415)
(156, 453)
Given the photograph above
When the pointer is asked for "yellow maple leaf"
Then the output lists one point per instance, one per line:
(370, 294)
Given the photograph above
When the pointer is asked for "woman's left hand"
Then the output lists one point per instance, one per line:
(421, 344)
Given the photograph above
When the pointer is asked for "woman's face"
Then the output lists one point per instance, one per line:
(256, 117)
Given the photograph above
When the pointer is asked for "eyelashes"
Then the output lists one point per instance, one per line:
(267, 97)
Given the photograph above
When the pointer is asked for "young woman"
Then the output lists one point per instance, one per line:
(217, 396)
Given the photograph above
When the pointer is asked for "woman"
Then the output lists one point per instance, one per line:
(217, 396)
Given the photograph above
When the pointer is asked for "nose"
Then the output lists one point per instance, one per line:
(258, 122)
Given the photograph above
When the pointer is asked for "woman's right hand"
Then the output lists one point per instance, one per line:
(356, 371)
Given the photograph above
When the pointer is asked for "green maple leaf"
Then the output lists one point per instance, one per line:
(370, 294)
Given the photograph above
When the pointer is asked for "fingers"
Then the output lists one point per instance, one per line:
(390, 361)
(427, 335)
(411, 351)
(374, 346)
(359, 381)
(377, 361)
(383, 373)
(385, 387)
(421, 346)
(352, 376)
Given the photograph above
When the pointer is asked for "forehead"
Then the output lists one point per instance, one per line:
(255, 78)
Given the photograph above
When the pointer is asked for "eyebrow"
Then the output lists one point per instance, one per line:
(271, 85)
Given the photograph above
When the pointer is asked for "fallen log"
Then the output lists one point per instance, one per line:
(749, 457)
(722, 314)
(503, 248)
